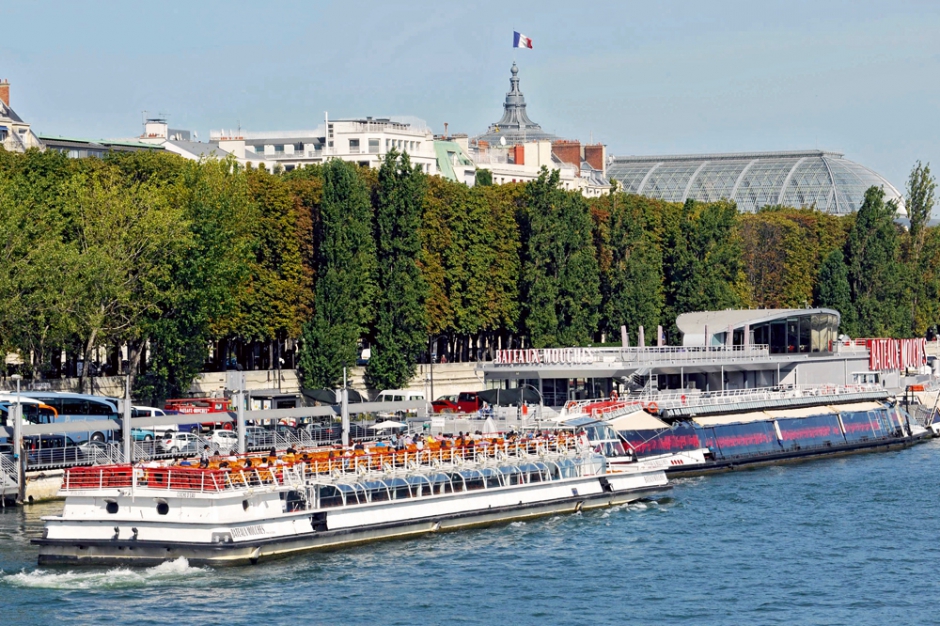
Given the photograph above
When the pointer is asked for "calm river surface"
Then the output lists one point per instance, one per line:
(842, 541)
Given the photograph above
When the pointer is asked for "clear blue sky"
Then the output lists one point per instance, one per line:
(643, 77)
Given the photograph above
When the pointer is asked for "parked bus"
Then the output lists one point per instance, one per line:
(34, 411)
(75, 407)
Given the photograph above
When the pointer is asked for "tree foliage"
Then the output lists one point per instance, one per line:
(166, 258)
(702, 260)
(344, 288)
(560, 286)
(400, 330)
(872, 256)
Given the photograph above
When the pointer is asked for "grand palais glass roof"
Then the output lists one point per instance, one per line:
(753, 180)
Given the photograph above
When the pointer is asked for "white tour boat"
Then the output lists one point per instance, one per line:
(226, 515)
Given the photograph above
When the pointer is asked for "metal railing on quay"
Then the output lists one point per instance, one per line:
(605, 408)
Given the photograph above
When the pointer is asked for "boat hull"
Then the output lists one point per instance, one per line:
(792, 456)
(145, 553)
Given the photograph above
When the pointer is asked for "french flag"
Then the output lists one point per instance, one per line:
(520, 41)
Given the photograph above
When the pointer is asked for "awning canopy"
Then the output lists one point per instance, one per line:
(733, 418)
(638, 420)
(857, 407)
(806, 411)
(927, 398)
(509, 397)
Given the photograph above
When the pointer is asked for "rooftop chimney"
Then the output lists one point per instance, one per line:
(5, 91)
(568, 152)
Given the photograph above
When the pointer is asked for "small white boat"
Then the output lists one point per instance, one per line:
(135, 515)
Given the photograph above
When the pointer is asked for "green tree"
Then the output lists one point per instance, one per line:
(483, 178)
(125, 239)
(400, 331)
(833, 291)
(920, 200)
(201, 289)
(560, 283)
(631, 263)
(344, 288)
(872, 256)
(702, 260)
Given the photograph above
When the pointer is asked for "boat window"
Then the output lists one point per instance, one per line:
(473, 479)
(554, 471)
(512, 475)
(330, 496)
(377, 491)
(418, 484)
(112, 507)
(491, 477)
(457, 482)
(162, 508)
(440, 483)
(566, 468)
(351, 494)
(399, 489)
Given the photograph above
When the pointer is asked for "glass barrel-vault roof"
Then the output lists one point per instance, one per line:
(811, 178)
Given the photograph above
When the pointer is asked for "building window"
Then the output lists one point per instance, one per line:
(298, 147)
(354, 146)
(373, 146)
(279, 149)
(288, 168)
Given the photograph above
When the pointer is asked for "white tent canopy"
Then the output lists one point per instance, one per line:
(387, 425)
(638, 420)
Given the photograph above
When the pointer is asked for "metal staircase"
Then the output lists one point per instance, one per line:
(9, 487)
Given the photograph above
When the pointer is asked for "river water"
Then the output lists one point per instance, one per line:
(852, 541)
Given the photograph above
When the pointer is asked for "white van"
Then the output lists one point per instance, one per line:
(399, 395)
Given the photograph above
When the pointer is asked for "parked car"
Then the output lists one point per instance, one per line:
(445, 404)
(155, 432)
(223, 440)
(180, 443)
(322, 433)
(334, 432)
(465, 402)
(399, 395)
(259, 437)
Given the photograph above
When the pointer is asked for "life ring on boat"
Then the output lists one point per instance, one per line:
(570, 405)
(614, 395)
(652, 407)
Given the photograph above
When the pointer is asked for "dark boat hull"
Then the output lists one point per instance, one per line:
(792, 456)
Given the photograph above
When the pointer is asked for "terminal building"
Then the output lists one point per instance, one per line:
(720, 351)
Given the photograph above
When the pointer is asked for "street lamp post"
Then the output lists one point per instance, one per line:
(432, 341)
(538, 421)
(18, 441)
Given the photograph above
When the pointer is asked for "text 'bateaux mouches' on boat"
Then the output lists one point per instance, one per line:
(246, 509)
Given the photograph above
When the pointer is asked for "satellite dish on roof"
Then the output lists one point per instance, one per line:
(502, 141)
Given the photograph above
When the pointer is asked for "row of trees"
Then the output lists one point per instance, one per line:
(167, 257)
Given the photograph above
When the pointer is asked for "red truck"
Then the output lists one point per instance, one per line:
(199, 406)
(466, 402)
